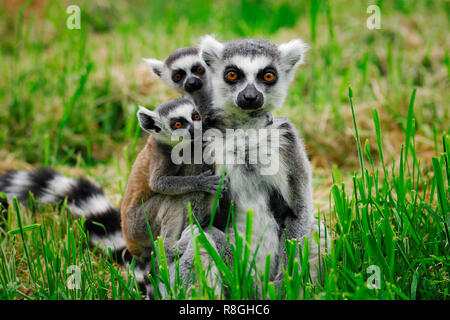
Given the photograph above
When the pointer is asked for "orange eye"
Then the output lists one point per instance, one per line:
(232, 76)
(269, 77)
(177, 125)
(200, 69)
(176, 77)
(196, 117)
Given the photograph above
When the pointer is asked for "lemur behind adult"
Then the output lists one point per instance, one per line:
(186, 72)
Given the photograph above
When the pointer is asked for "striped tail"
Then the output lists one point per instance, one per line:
(84, 199)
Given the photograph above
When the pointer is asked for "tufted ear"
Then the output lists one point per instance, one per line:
(149, 120)
(210, 49)
(156, 66)
(292, 54)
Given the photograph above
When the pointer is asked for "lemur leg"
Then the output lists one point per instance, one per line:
(139, 241)
(187, 253)
(317, 250)
(173, 219)
(135, 226)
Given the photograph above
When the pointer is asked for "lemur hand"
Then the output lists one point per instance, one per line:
(209, 182)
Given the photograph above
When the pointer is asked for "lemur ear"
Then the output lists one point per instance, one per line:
(210, 49)
(148, 120)
(155, 65)
(292, 53)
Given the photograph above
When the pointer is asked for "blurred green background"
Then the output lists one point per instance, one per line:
(68, 97)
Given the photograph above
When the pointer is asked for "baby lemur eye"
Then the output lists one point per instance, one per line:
(200, 69)
(177, 77)
(177, 125)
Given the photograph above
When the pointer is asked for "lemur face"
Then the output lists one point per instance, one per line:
(251, 74)
(178, 114)
(183, 70)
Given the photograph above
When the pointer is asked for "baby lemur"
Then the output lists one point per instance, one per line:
(158, 190)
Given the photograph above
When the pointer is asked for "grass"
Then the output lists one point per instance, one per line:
(68, 100)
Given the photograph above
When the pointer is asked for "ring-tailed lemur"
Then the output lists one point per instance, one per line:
(160, 184)
(158, 190)
(184, 71)
(84, 199)
(250, 78)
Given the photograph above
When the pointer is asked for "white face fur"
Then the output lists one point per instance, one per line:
(245, 82)
(186, 74)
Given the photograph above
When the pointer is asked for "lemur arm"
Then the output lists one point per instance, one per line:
(165, 182)
(298, 223)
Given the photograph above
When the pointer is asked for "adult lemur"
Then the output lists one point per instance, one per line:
(250, 78)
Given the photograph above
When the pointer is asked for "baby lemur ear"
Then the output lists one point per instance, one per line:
(292, 54)
(156, 66)
(149, 120)
(210, 49)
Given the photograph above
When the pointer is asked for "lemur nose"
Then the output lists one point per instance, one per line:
(192, 84)
(250, 93)
(250, 98)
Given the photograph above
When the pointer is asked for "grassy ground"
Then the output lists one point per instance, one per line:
(68, 99)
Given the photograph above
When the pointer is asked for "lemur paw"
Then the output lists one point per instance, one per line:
(206, 173)
(209, 182)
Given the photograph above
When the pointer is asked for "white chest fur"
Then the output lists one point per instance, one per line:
(250, 188)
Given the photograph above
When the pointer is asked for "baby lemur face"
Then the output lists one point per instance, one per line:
(251, 74)
(183, 70)
(178, 114)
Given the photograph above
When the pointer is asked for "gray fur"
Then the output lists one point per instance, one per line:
(250, 47)
(179, 53)
(177, 185)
